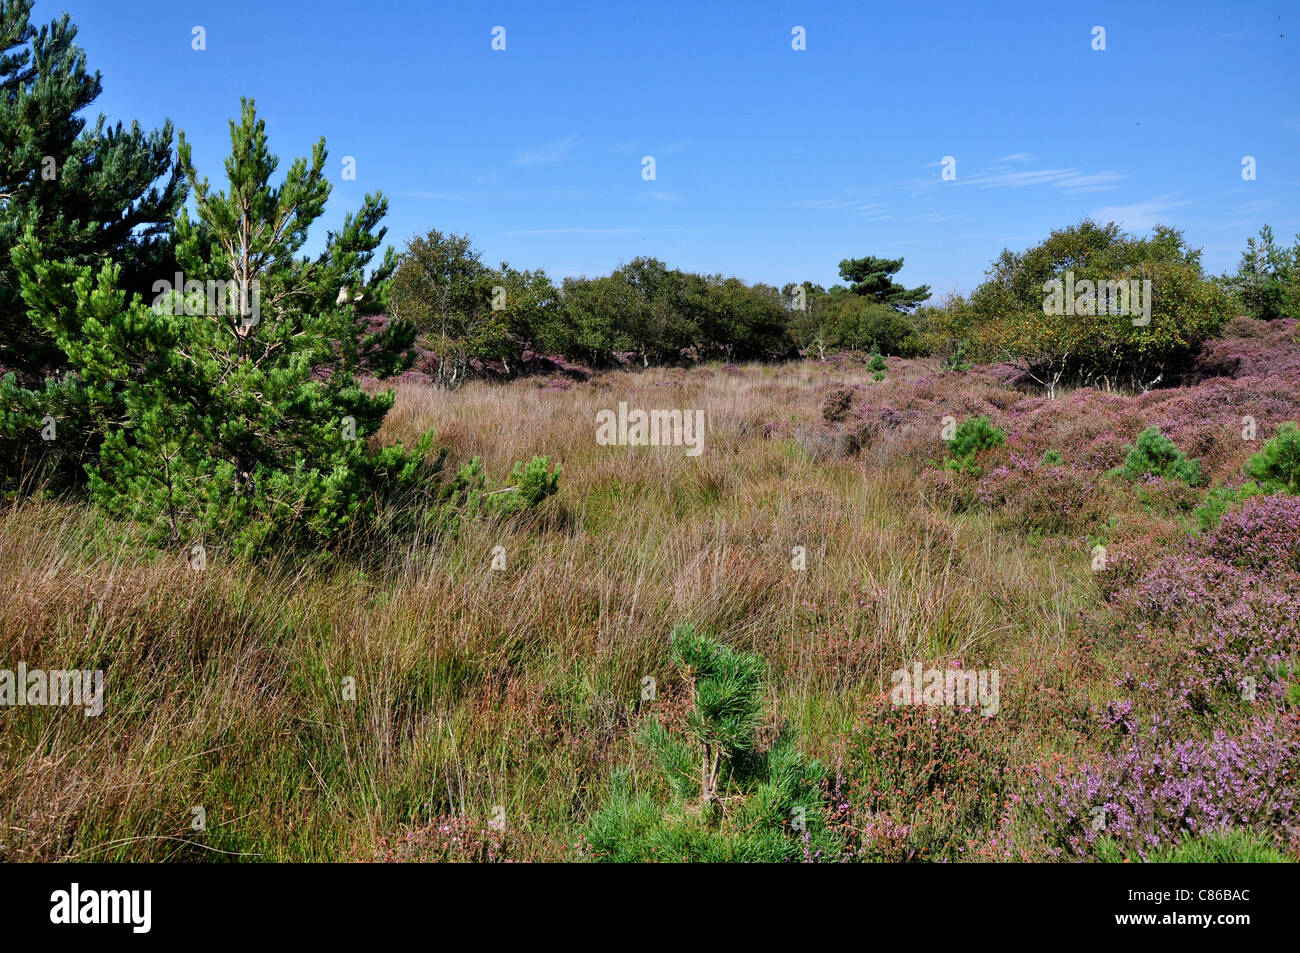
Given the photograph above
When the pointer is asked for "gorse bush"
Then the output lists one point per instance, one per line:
(1154, 455)
(728, 797)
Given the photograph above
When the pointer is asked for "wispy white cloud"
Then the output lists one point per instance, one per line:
(872, 211)
(588, 231)
(1139, 216)
(822, 203)
(557, 150)
(999, 175)
(1092, 182)
(1256, 206)
(935, 218)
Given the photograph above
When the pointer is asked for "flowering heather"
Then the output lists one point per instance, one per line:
(1030, 493)
(447, 839)
(921, 783)
(1263, 535)
(1156, 789)
(1218, 625)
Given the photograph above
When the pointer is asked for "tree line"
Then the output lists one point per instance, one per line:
(467, 312)
(242, 413)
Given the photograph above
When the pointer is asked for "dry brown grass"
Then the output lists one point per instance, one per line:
(477, 688)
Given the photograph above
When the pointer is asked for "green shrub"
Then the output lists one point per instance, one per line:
(1007, 316)
(241, 419)
(1052, 458)
(956, 362)
(972, 436)
(1221, 499)
(1267, 278)
(1277, 465)
(726, 799)
(1154, 454)
(469, 495)
(856, 323)
(1275, 469)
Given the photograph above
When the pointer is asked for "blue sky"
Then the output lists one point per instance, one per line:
(771, 164)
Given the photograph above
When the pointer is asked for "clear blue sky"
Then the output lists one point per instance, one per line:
(771, 164)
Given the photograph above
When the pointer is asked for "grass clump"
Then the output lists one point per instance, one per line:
(1225, 847)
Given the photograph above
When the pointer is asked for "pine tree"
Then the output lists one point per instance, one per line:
(1266, 277)
(91, 192)
(88, 194)
(730, 798)
(874, 278)
(230, 405)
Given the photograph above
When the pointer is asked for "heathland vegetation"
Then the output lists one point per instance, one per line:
(363, 584)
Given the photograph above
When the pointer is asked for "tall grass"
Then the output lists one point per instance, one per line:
(477, 689)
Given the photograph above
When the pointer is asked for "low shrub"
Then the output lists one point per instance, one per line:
(836, 406)
(729, 799)
(921, 783)
(1277, 465)
(972, 436)
(1049, 497)
(1154, 455)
